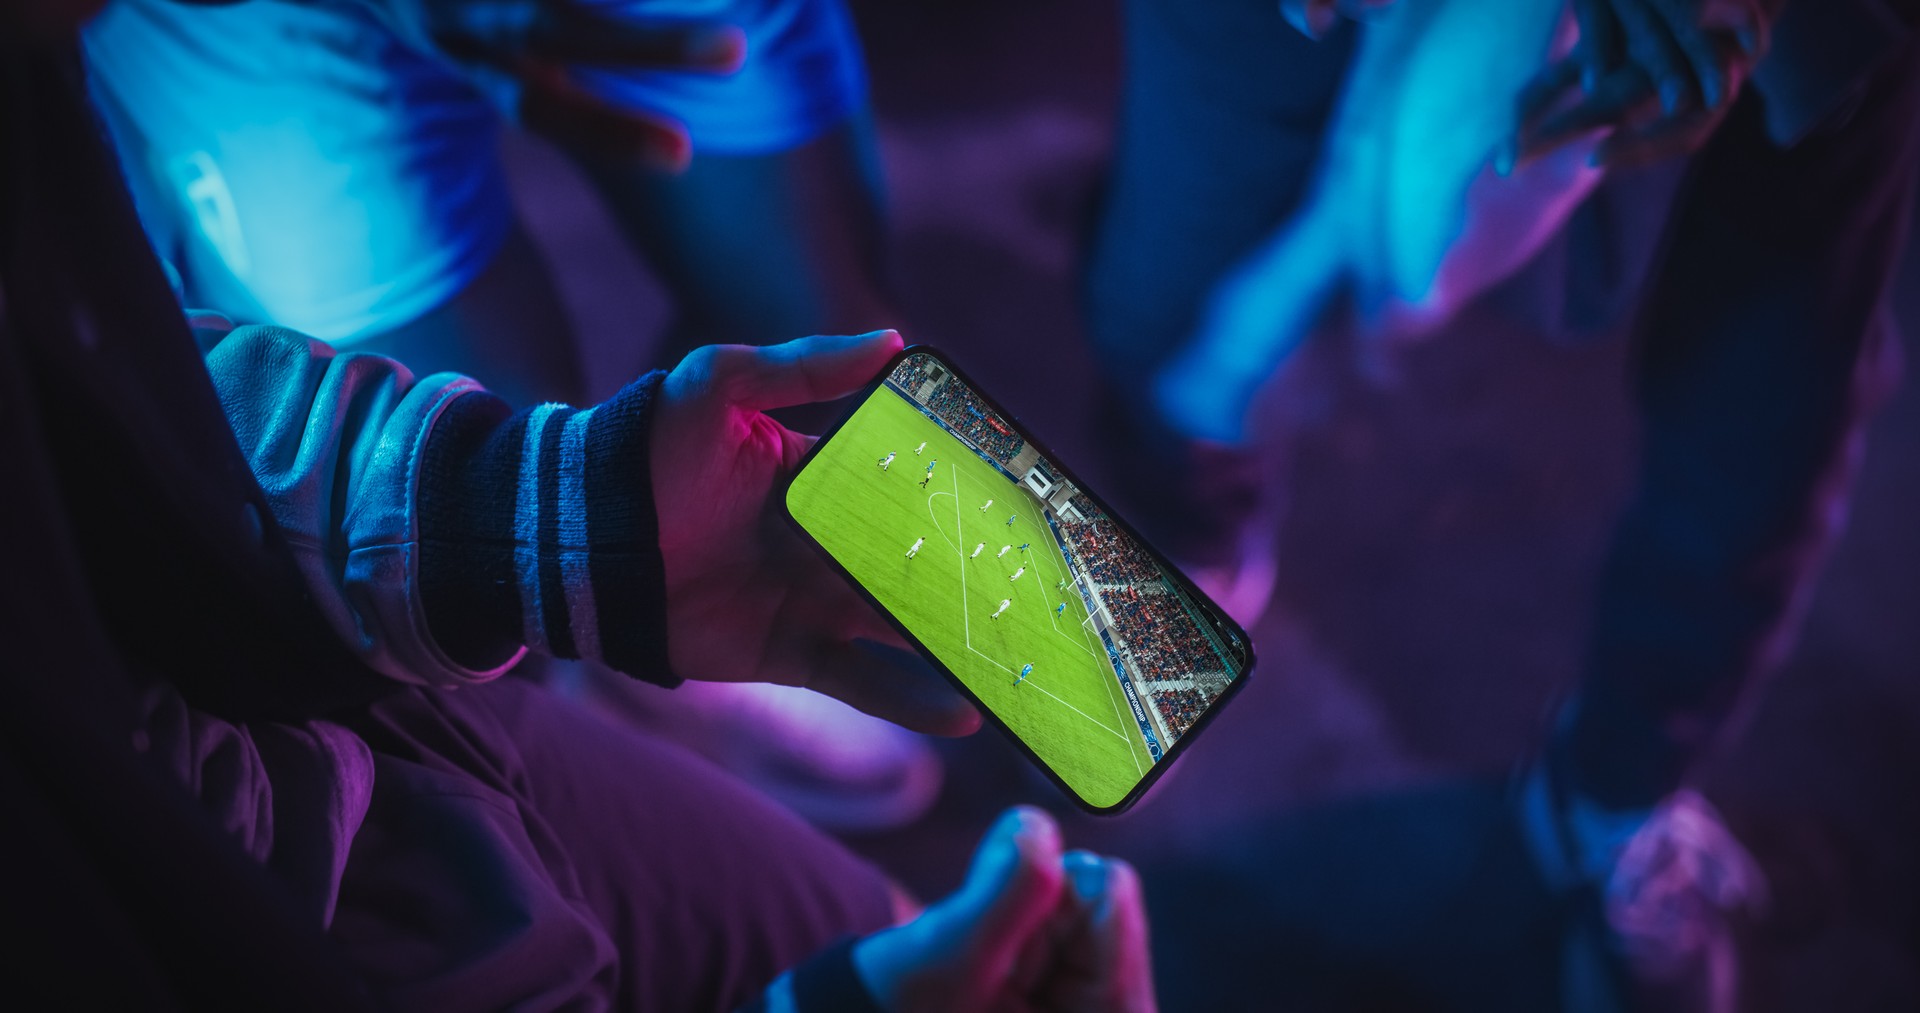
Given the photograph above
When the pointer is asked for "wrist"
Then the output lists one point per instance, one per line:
(536, 525)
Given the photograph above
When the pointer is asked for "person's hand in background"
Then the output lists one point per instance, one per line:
(520, 52)
(747, 601)
(1657, 76)
(1315, 18)
(1031, 929)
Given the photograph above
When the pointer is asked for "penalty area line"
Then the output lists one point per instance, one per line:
(1102, 725)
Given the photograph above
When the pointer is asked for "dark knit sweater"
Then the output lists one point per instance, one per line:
(537, 528)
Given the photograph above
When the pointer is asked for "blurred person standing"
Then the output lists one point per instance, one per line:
(333, 165)
(1755, 302)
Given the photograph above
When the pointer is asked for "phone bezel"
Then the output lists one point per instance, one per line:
(1153, 773)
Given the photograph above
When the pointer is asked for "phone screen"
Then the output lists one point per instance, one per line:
(1096, 654)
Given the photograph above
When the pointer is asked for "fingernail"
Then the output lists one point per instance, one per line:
(1298, 19)
(721, 49)
(1087, 874)
(1034, 828)
(658, 146)
(1321, 20)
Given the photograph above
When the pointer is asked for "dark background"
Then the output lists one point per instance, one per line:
(1335, 837)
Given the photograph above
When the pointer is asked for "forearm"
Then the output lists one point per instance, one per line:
(439, 533)
(538, 529)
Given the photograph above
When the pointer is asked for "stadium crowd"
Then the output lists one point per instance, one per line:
(910, 375)
(1181, 707)
(1110, 557)
(957, 406)
(1164, 640)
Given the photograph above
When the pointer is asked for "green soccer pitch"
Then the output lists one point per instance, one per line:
(1070, 711)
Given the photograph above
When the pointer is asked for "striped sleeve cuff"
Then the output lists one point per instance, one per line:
(538, 528)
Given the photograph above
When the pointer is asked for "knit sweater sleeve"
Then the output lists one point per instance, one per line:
(537, 528)
(442, 534)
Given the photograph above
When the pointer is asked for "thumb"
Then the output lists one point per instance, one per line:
(1107, 893)
(961, 953)
(819, 368)
(1012, 887)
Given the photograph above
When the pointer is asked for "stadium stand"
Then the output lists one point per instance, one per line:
(957, 406)
(1168, 656)
(1111, 558)
(910, 375)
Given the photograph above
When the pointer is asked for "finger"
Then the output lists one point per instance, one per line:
(960, 953)
(1311, 18)
(554, 107)
(819, 368)
(1598, 51)
(868, 624)
(1012, 888)
(1105, 963)
(1744, 21)
(1121, 927)
(569, 34)
(1608, 105)
(1650, 44)
(835, 608)
(1087, 875)
(1697, 47)
(1539, 95)
(1656, 141)
(891, 684)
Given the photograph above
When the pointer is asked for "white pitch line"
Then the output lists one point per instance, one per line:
(936, 520)
(1106, 678)
(966, 627)
(1053, 560)
(1102, 725)
(1056, 622)
(1106, 675)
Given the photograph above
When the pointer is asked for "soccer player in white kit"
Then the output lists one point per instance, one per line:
(887, 461)
(918, 449)
(1004, 549)
(916, 547)
(1004, 602)
(976, 550)
(984, 506)
(1017, 574)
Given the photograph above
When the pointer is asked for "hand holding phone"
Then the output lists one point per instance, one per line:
(746, 600)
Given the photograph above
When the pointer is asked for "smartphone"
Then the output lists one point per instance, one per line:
(1096, 655)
